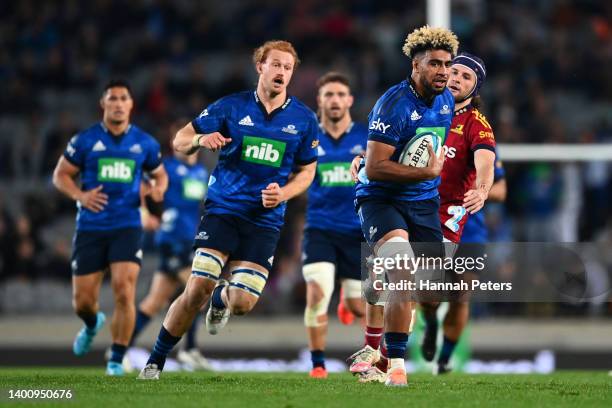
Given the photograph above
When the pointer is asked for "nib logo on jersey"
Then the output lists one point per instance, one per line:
(335, 174)
(264, 151)
(116, 170)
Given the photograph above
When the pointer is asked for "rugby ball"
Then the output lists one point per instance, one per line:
(415, 151)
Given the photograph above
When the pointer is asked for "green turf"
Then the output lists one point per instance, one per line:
(251, 390)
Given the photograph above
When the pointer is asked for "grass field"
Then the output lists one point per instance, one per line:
(92, 389)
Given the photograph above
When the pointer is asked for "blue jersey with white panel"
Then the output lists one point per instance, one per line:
(116, 163)
(398, 116)
(186, 188)
(475, 230)
(265, 147)
(331, 195)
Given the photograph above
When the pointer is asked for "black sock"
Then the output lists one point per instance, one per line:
(448, 346)
(90, 319)
(142, 319)
(117, 352)
(165, 342)
(318, 358)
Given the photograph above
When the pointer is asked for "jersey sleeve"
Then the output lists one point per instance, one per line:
(307, 152)
(75, 150)
(212, 118)
(498, 170)
(384, 121)
(481, 134)
(154, 157)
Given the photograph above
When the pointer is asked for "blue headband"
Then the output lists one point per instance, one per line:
(475, 64)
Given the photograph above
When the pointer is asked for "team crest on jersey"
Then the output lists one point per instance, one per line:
(357, 149)
(181, 170)
(137, 149)
(290, 129)
(445, 110)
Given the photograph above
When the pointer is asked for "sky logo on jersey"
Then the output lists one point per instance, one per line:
(379, 126)
(193, 189)
(116, 170)
(263, 151)
(336, 174)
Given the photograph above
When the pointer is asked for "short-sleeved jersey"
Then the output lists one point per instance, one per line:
(116, 163)
(331, 195)
(186, 188)
(475, 230)
(398, 116)
(469, 132)
(265, 148)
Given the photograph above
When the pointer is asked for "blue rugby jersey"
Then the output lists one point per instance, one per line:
(116, 163)
(264, 149)
(475, 230)
(398, 116)
(331, 195)
(186, 189)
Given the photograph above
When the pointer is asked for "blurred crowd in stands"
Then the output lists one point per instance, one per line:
(549, 81)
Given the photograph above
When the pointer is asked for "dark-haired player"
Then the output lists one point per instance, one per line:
(268, 142)
(110, 158)
(398, 204)
(332, 238)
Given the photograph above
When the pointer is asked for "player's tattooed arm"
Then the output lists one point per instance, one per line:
(299, 182)
(380, 167)
(63, 179)
(188, 141)
(475, 198)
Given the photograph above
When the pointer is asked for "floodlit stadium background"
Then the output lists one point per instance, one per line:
(550, 81)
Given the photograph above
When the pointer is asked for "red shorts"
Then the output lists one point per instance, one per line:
(453, 219)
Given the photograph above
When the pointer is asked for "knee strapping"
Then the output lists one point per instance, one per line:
(249, 280)
(351, 288)
(206, 265)
(321, 273)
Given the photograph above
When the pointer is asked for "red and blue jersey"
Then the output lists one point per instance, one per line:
(331, 195)
(265, 148)
(116, 162)
(469, 132)
(399, 115)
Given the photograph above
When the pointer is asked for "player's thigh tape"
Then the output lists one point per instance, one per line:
(206, 265)
(393, 247)
(351, 288)
(321, 273)
(249, 280)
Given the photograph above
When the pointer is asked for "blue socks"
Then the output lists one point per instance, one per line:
(318, 358)
(165, 342)
(117, 353)
(396, 344)
(190, 341)
(216, 300)
(448, 346)
(141, 322)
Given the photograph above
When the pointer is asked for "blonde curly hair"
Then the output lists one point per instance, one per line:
(430, 38)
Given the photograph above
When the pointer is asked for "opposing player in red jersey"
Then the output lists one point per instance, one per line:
(467, 176)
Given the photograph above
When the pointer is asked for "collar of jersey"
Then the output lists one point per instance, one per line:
(464, 109)
(268, 116)
(337, 141)
(417, 95)
(120, 136)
